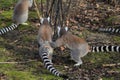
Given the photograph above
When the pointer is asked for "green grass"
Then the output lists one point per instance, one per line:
(116, 39)
(7, 4)
(113, 19)
(108, 78)
(6, 16)
(20, 75)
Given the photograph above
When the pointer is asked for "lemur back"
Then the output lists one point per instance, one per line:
(20, 15)
(78, 46)
(45, 32)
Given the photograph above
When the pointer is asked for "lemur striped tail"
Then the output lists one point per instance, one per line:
(7, 29)
(110, 30)
(105, 49)
(49, 66)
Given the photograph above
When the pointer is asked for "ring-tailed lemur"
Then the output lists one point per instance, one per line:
(20, 15)
(45, 50)
(110, 30)
(78, 46)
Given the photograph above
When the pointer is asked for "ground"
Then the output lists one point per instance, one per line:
(20, 45)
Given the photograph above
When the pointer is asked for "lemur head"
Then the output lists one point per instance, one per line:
(61, 31)
(45, 20)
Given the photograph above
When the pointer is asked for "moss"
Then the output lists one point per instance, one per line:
(6, 14)
(108, 78)
(6, 67)
(6, 18)
(7, 4)
(110, 19)
(113, 19)
(50, 77)
(116, 39)
(4, 54)
(33, 14)
(20, 75)
(97, 57)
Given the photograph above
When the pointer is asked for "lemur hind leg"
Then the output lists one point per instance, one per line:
(79, 62)
(75, 55)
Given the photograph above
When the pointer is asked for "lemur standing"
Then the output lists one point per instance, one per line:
(45, 50)
(45, 34)
(20, 15)
(78, 46)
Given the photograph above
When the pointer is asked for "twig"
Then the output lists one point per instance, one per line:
(37, 10)
(109, 65)
(111, 72)
(16, 62)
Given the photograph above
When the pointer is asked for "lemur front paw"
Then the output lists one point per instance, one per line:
(77, 64)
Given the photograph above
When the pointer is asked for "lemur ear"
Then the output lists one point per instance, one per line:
(48, 19)
(58, 30)
(58, 27)
(41, 21)
(66, 28)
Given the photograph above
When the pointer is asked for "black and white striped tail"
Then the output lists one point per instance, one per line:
(7, 29)
(105, 49)
(50, 67)
(109, 30)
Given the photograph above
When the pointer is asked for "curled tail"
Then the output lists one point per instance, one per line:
(49, 66)
(109, 30)
(7, 29)
(105, 48)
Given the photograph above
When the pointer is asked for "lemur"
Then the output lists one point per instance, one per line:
(78, 46)
(20, 15)
(45, 34)
(110, 30)
(44, 38)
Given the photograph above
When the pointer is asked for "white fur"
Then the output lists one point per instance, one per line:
(58, 32)
(66, 28)
(41, 21)
(48, 19)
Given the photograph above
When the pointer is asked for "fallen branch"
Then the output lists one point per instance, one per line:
(113, 72)
(37, 10)
(110, 65)
(17, 62)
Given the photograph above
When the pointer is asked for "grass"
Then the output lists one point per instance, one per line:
(16, 46)
(108, 78)
(6, 16)
(116, 39)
